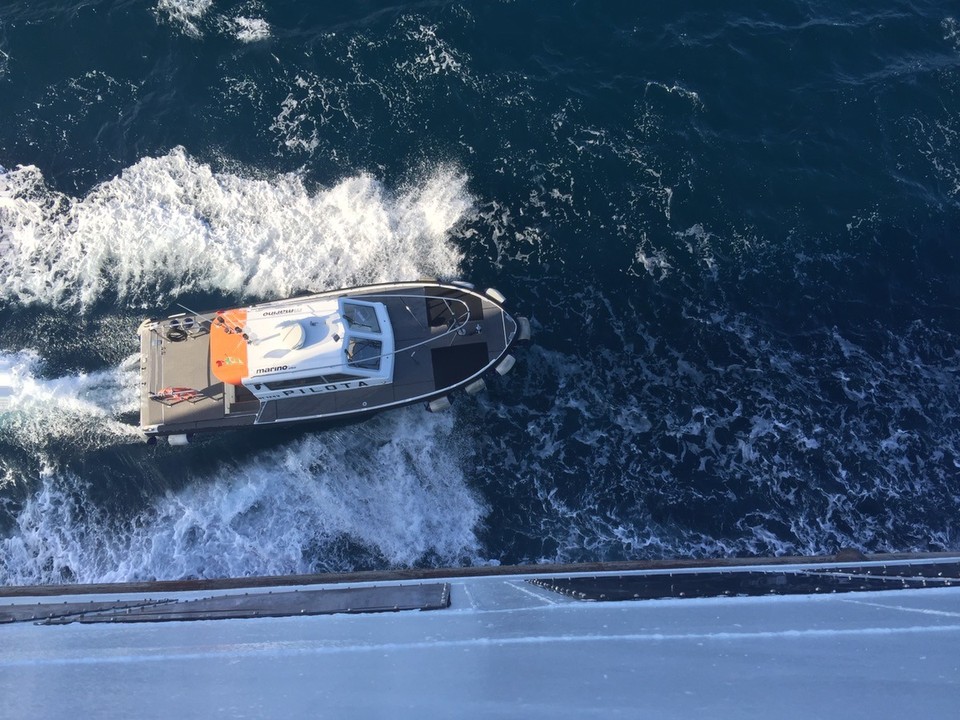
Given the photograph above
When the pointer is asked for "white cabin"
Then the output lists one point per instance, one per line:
(317, 346)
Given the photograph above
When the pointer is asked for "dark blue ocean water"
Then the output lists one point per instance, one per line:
(735, 232)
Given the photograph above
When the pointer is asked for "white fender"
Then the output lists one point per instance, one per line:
(506, 365)
(439, 405)
(476, 386)
(177, 440)
(495, 295)
(523, 329)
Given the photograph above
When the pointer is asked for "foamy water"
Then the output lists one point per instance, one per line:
(170, 225)
(248, 29)
(83, 410)
(744, 294)
(393, 487)
(391, 491)
(184, 14)
(194, 18)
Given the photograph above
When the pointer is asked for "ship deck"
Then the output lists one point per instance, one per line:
(870, 637)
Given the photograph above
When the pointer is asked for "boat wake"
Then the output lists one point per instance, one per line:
(389, 493)
(84, 410)
(171, 225)
(83, 501)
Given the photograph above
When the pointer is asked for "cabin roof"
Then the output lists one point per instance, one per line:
(293, 339)
(315, 337)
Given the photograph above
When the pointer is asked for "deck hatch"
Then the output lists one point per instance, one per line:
(452, 365)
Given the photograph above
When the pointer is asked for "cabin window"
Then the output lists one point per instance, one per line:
(296, 382)
(362, 318)
(363, 353)
(338, 378)
(310, 381)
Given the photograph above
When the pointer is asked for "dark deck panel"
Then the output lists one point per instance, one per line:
(810, 581)
(438, 312)
(52, 611)
(454, 364)
(269, 412)
(413, 366)
(389, 598)
(408, 317)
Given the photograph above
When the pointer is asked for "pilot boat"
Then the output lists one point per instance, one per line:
(334, 355)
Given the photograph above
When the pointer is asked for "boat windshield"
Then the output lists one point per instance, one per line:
(361, 317)
(364, 353)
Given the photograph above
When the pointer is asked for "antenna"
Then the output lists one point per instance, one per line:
(413, 315)
(188, 309)
(200, 316)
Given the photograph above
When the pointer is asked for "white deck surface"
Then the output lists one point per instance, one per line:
(506, 649)
(320, 351)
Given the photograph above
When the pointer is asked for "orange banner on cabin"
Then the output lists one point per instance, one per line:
(228, 346)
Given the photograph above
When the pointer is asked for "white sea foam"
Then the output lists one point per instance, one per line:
(951, 29)
(83, 408)
(941, 146)
(393, 486)
(193, 18)
(249, 30)
(170, 224)
(436, 56)
(699, 242)
(185, 14)
(653, 260)
(678, 90)
(311, 103)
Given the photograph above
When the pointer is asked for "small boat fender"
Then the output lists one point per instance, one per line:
(495, 295)
(178, 440)
(523, 329)
(476, 386)
(176, 334)
(506, 365)
(439, 405)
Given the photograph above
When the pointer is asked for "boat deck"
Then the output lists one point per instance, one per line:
(428, 361)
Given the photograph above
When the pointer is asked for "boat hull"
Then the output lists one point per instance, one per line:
(437, 352)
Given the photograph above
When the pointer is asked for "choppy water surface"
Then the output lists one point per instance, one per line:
(735, 232)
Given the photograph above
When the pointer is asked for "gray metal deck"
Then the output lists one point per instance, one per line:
(164, 363)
